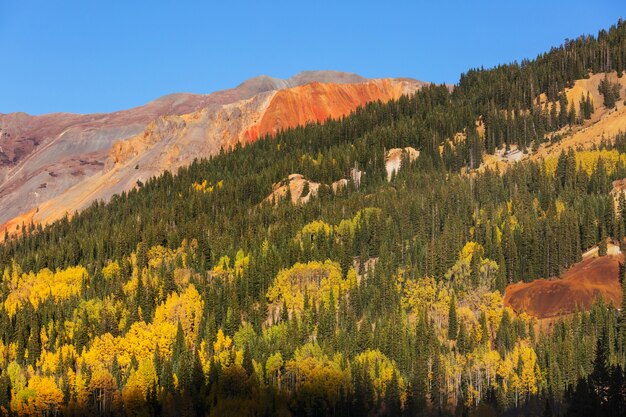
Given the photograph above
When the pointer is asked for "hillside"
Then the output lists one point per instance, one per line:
(55, 164)
(604, 123)
(575, 290)
(412, 289)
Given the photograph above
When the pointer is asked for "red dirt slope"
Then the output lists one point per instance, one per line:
(577, 289)
(317, 102)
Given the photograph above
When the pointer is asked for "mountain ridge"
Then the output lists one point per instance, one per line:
(43, 157)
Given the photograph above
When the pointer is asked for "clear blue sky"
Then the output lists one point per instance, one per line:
(103, 55)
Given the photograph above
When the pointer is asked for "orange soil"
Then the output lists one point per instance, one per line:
(11, 225)
(316, 102)
(577, 289)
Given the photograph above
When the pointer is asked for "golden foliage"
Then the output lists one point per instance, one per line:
(316, 279)
(314, 373)
(380, 370)
(205, 187)
(158, 255)
(139, 384)
(49, 361)
(36, 288)
(41, 397)
(112, 271)
(224, 267)
(588, 160)
(224, 349)
(142, 339)
(316, 227)
(103, 389)
(273, 368)
(493, 307)
(527, 377)
(418, 294)
(186, 308)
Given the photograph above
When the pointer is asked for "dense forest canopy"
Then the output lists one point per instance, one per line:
(194, 295)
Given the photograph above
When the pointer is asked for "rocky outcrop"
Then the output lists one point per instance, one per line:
(394, 157)
(296, 187)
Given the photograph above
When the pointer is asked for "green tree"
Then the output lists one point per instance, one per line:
(453, 326)
(610, 91)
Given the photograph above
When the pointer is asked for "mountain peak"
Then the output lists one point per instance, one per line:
(326, 76)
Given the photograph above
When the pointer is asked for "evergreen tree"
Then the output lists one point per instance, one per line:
(179, 347)
(453, 326)
(602, 247)
(115, 371)
(610, 91)
(600, 378)
(5, 391)
(166, 378)
(34, 342)
(622, 321)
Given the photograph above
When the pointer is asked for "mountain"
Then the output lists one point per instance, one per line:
(455, 251)
(54, 164)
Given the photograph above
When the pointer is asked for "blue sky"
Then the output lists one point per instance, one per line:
(94, 55)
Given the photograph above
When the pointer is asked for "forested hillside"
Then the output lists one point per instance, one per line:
(195, 295)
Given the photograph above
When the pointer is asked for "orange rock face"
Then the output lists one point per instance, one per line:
(317, 102)
(577, 289)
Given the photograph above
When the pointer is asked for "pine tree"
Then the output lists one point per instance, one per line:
(581, 403)
(247, 361)
(115, 371)
(563, 114)
(158, 363)
(622, 321)
(423, 346)
(5, 391)
(184, 371)
(504, 336)
(284, 313)
(571, 116)
(602, 247)
(34, 342)
(179, 344)
(166, 378)
(616, 395)
(484, 329)
(599, 378)
(142, 257)
(610, 91)
(453, 326)
(392, 397)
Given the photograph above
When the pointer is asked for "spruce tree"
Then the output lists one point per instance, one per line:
(599, 378)
(166, 378)
(5, 391)
(602, 247)
(179, 344)
(610, 91)
(622, 321)
(34, 342)
(453, 326)
(115, 371)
